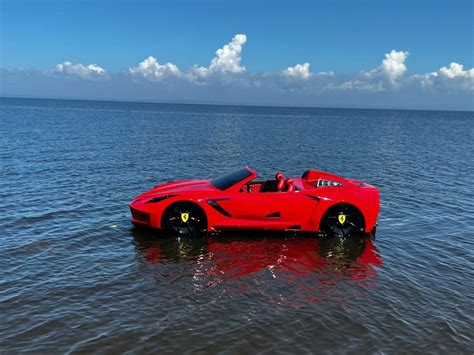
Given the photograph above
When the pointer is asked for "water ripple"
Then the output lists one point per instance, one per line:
(77, 278)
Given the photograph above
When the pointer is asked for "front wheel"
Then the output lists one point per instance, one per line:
(184, 219)
(342, 220)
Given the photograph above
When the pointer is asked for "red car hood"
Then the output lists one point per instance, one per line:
(179, 187)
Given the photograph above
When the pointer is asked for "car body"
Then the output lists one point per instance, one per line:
(316, 202)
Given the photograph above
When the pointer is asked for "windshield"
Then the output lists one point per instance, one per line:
(226, 181)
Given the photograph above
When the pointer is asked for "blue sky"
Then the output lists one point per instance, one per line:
(340, 37)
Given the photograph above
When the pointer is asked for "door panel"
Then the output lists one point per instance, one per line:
(270, 206)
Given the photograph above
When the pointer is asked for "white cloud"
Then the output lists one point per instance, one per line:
(326, 73)
(299, 71)
(227, 60)
(151, 69)
(451, 77)
(393, 66)
(359, 85)
(86, 72)
(456, 70)
(425, 80)
(388, 75)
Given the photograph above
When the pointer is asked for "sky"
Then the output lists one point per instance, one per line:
(372, 53)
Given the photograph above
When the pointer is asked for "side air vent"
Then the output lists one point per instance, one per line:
(273, 215)
(218, 208)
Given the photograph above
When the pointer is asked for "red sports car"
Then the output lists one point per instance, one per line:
(316, 202)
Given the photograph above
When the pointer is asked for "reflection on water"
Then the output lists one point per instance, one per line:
(242, 257)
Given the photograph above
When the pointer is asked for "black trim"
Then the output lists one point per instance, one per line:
(218, 208)
(161, 198)
(273, 215)
(295, 227)
(140, 216)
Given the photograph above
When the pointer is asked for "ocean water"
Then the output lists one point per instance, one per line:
(76, 276)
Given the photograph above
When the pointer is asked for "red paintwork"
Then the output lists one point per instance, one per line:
(299, 257)
(235, 257)
(250, 210)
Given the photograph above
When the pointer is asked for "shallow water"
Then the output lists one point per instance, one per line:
(77, 277)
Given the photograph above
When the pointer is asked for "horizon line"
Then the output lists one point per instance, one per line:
(204, 103)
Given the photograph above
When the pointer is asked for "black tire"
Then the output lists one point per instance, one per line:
(195, 225)
(352, 224)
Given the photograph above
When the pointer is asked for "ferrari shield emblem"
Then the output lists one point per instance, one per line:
(184, 217)
(341, 218)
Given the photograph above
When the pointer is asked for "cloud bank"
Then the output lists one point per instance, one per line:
(226, 61)
(150, 69)
(225, 79)
(299, 71)
(90, 71)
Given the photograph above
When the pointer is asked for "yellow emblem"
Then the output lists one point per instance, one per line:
(341, 218)
(184, 217)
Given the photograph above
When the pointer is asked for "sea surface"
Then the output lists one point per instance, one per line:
(77, 277)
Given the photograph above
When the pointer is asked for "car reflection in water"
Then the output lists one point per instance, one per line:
(226, 257)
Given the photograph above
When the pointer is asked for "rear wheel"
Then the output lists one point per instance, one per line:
(342, 220)
(185, 219)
